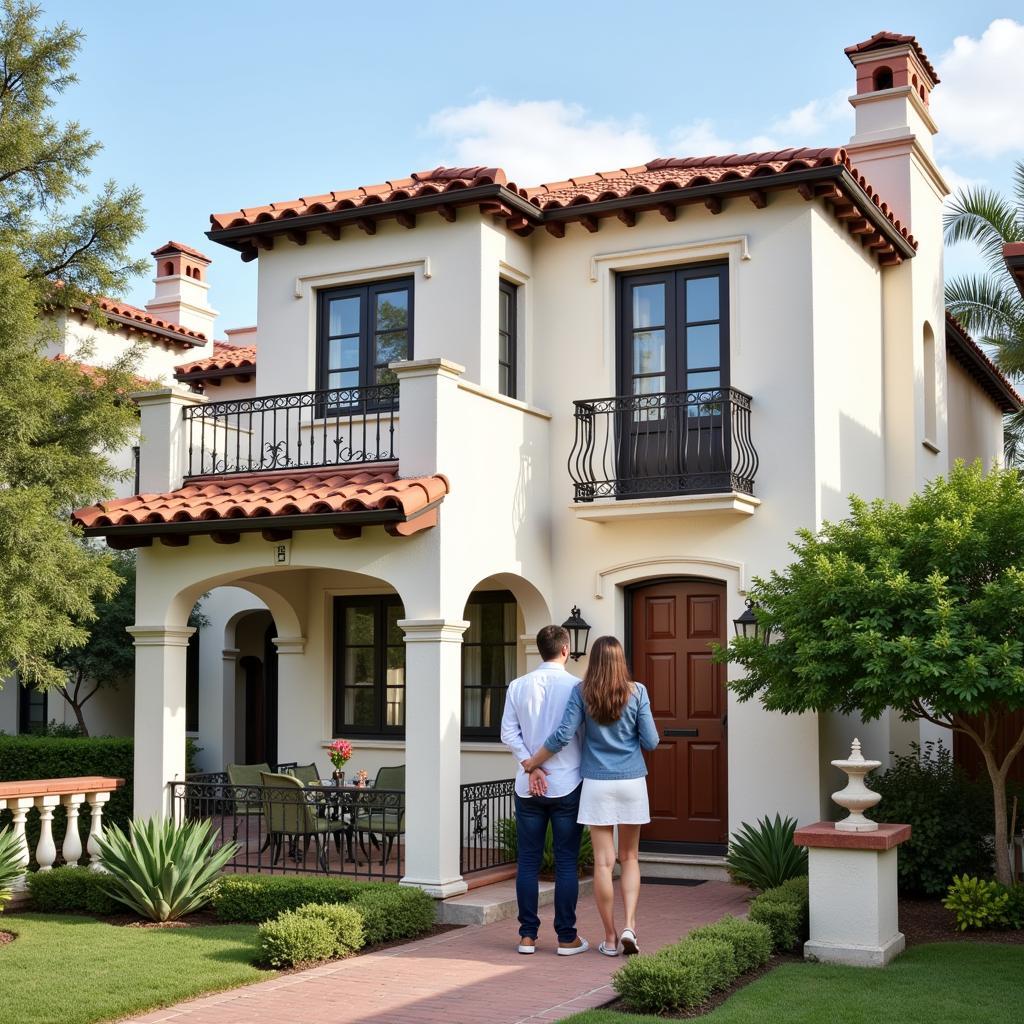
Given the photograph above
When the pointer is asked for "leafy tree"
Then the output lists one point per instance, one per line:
(916, 607)
(990, 305)
(58, 426)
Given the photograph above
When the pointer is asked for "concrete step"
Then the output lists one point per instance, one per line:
(684, 866)
(495, 902)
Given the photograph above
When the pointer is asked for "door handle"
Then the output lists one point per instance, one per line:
(682, 732)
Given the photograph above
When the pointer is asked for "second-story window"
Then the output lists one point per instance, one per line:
(360, 330)
(508, 295)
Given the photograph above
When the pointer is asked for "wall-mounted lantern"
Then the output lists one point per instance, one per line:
(579, 633)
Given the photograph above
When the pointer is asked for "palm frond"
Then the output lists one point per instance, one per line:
(987, 306)
(1018, 189)
(983, 216)
(1013, 440)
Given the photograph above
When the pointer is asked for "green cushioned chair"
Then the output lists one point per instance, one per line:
(383, 817)
(289, 814)
(307, 774)
(243, 777)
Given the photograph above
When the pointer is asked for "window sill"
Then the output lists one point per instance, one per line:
(466, 746)
(607, 510)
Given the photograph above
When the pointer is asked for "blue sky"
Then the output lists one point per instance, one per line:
(216, 105)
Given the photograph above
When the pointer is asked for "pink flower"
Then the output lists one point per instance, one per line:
(339, 752)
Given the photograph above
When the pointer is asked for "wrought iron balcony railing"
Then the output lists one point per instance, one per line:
(672, 443)
(301, 430)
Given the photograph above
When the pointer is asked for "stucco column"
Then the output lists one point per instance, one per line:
(163, 459)
(228, 707)
(531, 655)
(433, 721)
(430, 414)
(159, 715)
(300, 715)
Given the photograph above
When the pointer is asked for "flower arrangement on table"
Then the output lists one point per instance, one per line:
(339, 752)
(362, 777)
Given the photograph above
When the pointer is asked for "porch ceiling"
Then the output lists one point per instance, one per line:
(275, 503)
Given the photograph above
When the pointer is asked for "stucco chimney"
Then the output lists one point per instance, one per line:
(180, 295)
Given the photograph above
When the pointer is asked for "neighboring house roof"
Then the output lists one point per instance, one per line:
(971, 356)
(659, 185)
(228, 360)
(1013, 255)
(884, 40)
(168, 248)
(124, 315)
(344, 497)
(97, 373)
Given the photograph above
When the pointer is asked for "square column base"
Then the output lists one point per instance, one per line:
(855, 956)
(439, 890)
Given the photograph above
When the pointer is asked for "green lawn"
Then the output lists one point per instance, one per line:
(113, 971)
(945, 983)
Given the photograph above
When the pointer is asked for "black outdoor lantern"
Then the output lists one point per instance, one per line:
(579, 633)
(748, 626)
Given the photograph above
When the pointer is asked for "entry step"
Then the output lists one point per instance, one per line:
(683, 865)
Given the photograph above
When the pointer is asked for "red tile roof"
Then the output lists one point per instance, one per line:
(145, 323)
(172, 247)
(225, 357)
(883, 40)
(1013, 256)
(973, 358)
(97, 373)
(264, 495)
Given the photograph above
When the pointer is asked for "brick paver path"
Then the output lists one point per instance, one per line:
(472, 975)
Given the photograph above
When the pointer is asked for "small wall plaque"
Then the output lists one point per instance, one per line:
(283, 552)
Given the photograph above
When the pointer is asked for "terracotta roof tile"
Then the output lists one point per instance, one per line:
(171, 247)
(97, 373)
(1013, 256)
(226, 356)
(145, 322)
(976, 361)
(883, 40)
(282, 493)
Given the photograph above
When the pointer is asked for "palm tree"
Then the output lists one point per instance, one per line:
(989, 305)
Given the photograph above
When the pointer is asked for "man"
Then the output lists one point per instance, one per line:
(533, 710)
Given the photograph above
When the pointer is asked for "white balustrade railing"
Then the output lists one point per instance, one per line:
(46, 795)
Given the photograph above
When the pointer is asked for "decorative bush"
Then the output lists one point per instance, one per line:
(950, 814)
(255, 898)
(346, 922)
(10, 864)
(163, 870)
(763, 855)
(508, 842)
(751, 941)
(393, 912)
(71, 890)
(784, 911)
(979, 903)
(677, 977)
(293, 938)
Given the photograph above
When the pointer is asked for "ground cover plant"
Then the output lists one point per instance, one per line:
(116, 971)
(763, 856)
(981, 903)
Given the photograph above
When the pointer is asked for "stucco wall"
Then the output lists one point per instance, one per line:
(975, 421)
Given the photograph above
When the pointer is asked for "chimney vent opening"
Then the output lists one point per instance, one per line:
(883, 78)
(168, 269)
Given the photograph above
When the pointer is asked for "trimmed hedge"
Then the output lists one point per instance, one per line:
(784, 910)
(256, 898)
(751, 941)
(294, 939)
(71, 890)
(393, 912)
(677, 977)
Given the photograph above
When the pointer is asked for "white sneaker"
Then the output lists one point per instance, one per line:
(580, 946)
(527, 945)
(630, 947)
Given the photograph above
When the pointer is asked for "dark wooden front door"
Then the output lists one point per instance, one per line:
(673, 624)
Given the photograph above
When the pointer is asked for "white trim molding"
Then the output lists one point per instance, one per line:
(494, 396)
(607, 511)
(161, 636)
(384, 270)
(289, 644)
(433, 631)
(670, 565)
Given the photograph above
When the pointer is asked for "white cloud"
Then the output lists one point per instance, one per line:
(979, 102)
(539, 140)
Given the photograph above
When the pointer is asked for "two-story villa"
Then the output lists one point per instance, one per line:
(478, 405)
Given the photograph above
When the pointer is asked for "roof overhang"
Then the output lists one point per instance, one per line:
(966, 351)
(152, 330)
(1013, 256)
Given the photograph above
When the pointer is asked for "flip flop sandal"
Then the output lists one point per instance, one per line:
(608, 950)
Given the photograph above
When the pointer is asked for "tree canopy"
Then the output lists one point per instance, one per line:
(58, 426)
(917, 607)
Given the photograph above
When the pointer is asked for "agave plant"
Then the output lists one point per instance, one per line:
(763, 855)
(11, 868)
(161, 869)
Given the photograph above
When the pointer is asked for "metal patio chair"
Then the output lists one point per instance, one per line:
(290, 814)
(382, 817)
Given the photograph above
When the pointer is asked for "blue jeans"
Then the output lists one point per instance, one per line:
(533, 815)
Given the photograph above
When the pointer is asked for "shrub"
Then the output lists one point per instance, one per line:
(676, 977)
(977, 903)
(163, 870)
(763, 856)
(508, 842)
(393, 912)
(784, 911)
(10, 864)
(950, 814)
(751, 941)
(345, 921)
(294, 938)
(256, 898)
(71, 890)
(1015, 906)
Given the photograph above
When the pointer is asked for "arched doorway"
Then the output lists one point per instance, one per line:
(258, 703)
(670, 627)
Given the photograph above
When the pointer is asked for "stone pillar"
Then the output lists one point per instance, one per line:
(433, 721)
(163, 459)
(159, 715)
(229, 706)
(300, 698)
(531, 654)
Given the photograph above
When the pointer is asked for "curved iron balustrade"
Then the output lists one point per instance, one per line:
(657, 445)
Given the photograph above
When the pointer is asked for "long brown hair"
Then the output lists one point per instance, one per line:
(608, 683)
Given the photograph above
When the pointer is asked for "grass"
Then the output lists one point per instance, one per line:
(111, 971)
(944, 983)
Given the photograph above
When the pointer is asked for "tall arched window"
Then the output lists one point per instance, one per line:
(930, 399)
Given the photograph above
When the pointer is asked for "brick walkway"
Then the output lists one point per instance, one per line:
(469, 976)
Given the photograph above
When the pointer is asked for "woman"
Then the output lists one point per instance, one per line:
(615, 713)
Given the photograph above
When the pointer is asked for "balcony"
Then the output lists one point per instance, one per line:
(301, 430)
(663, 453)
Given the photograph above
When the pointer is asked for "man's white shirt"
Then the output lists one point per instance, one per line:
(534, 707)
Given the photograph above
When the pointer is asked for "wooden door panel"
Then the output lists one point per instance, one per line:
(661, 618)
(703, 612)
(660, 680)
(703, 781)
(704, 689)
(663, 782)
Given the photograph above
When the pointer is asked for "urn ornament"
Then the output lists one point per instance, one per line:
(856, 797)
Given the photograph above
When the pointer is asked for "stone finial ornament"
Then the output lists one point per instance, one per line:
(856, 797)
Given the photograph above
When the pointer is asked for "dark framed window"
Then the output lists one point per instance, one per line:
(489, 658)
(192, 683)
(508, 338)
(32, 709)
(369, 667)
(360, 329)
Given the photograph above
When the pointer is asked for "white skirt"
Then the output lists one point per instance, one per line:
(614, 802)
